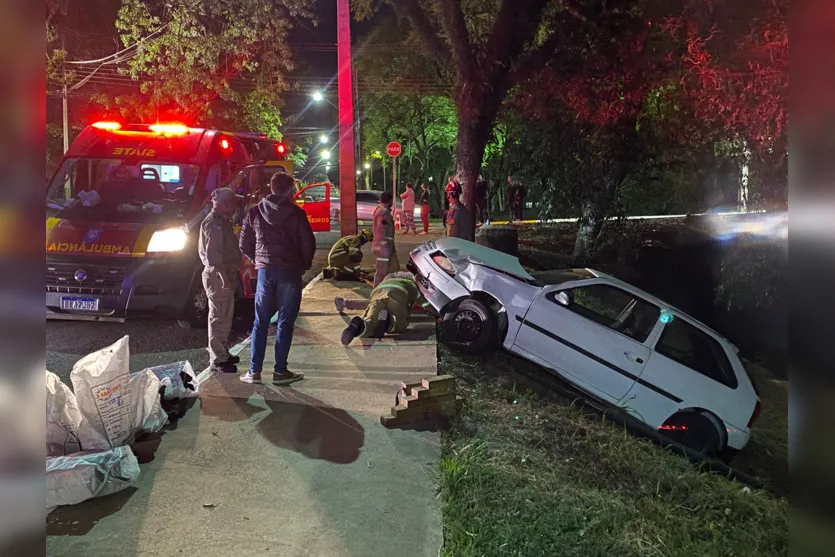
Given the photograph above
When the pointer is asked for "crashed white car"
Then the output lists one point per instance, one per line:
(611, 340)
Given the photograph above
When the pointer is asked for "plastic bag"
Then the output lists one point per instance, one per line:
(101, 381)
(75, 478)
(178, 378)
(63, 418)
(146, 406)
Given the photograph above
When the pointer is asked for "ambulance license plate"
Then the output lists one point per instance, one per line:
(77, 303)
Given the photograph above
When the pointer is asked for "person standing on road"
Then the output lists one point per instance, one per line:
(424, 208)
(520, 200)
(383, 244)
(407, 220)
(482, 191)
(459, 219)
(510, 198)
(451, 185)
(277, 237)
(221, 258)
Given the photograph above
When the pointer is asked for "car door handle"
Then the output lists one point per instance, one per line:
(633, 356)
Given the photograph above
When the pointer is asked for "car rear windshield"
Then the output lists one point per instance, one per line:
(121, 190)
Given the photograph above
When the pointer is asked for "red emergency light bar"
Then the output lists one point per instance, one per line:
(159, 129)
(108, 126)
(169, 129)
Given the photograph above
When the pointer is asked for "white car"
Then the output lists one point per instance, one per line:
(611, 340)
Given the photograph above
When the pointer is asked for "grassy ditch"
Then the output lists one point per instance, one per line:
(528, 474)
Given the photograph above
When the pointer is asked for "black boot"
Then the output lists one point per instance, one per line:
(352, 331)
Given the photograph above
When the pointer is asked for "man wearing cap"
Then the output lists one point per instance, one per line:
(221, 258)
(345, 257)
(383, 244)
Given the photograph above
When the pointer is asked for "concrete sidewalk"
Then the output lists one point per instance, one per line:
(299, 470)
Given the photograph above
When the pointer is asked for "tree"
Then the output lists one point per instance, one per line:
(190, 57)
(478, 43)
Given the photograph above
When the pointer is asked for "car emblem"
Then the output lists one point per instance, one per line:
(80, 275)
(92, 235)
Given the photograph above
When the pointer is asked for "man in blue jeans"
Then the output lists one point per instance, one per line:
(277, 237)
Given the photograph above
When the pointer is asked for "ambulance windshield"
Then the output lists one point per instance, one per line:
(121, 190)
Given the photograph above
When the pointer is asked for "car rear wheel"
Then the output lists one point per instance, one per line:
(196, 313)
(470, 327)
(695, 431)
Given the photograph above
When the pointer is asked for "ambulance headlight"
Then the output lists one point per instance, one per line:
(170, 239)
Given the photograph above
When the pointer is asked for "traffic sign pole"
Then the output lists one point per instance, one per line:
(393, 149)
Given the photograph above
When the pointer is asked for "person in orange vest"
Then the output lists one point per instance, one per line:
(383, 244)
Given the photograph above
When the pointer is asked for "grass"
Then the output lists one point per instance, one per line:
(526, 474)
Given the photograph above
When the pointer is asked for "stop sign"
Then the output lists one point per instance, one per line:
(393, 149)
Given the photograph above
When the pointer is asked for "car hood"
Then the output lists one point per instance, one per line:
(457, 249)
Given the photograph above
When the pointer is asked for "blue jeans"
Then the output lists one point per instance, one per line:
(280, 291)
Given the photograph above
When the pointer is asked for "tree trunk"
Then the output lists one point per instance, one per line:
(475, 120)
(591, 223)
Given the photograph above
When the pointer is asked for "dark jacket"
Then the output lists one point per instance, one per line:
(276, 235)
(460, 222)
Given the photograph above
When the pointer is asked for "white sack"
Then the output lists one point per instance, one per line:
(63, 418)
(101, 381)
(146, 405)
(76, 478)
(179, 380)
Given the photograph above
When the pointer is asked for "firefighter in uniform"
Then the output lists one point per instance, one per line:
(221, 259)
(387, 312)
(383, 244)
(345, 257)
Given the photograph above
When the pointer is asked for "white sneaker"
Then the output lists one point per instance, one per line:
(251, 378)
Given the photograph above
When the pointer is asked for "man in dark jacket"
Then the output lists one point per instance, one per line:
(459, 219)
(277, 237)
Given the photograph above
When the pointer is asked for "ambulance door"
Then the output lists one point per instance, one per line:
(315, 199)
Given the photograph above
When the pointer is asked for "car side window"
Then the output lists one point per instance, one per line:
(614, 308)
(688, 345)
(315, 194)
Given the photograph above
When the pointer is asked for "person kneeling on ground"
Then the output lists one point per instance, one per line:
(345, 257)
(387, 312)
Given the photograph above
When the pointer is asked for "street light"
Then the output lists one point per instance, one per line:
(368, 166)
(359, 172)
(326, 155)
(323, 139)
(318, 96)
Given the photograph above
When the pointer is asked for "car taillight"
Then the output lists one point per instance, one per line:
(755, 415)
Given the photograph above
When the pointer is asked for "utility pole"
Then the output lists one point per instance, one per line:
(347, 168)
(66, 121)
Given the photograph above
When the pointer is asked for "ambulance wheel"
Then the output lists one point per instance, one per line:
(196, 313)
(470, 327)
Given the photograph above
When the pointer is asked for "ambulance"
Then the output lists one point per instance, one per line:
(123, 214)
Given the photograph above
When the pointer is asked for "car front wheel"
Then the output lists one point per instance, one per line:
(470, 327)
(196, 313)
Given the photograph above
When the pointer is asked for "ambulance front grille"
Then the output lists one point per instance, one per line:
(73, 278)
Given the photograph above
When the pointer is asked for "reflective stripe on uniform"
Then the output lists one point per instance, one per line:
(395, 286)
(382, 259)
